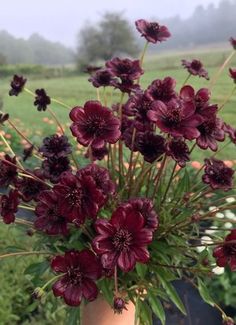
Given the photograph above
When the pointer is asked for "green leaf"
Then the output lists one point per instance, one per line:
(172, 294)
(37, 268)
(105, 287)
(205, 293)
(183, 185)
(145, 313)
(141, 269)
(157, 307)
(73, 316)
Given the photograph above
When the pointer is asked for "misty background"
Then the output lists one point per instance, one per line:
(53, 32)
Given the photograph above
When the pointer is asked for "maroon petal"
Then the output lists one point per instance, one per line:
(73, 295)
(222, 261)
(58, 264)
(59, 287)
(89, 289)
(126, 261)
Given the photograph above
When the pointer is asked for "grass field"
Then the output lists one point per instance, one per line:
(76, 90)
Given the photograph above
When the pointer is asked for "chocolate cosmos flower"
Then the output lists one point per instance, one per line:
(150, 145)
(179, 151)
(152, 31)
(55, 146)
(125, 68)
(17, 85)
(53, 168)
(232, 73)
(42, 100)
(163, 90)
(211, 131)
(9, 206)
(27, 152)
(79, 197)
(97, 154)
(8, 172)
(122, 240)
(226, 254)
(119, 304)
(218, 175)
(102, 78)
(94, 125)
(49, 219)
(177, 118)
(195, 68)
(80, 270)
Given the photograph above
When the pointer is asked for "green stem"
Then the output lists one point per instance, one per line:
(169, 183)
(24, 253)
(186, 80)
(227, 98)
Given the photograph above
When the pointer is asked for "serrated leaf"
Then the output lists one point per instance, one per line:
(157, 307)
(172, 294)
(205, 293)
(37, 268)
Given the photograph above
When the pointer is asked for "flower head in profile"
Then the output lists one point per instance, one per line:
(42, 100)
(97, 154)
(150, 145)
(55, 146)
(122, 241)
(119, 304)
(218, 175)
(28, 152)
(177, 118)
(80, 270)
(102, 78)
(152, 31)
(232, 73)
(195, 68)
(226, 253)
(163, 90)
(17, 85)
(79, 197)
(53, 168)
(125, 69)
(3, 118)
(8, 171)
(233, 42)
(48, 217)
(94, 125)
(179, 151)
(9, 206)
(230, 131)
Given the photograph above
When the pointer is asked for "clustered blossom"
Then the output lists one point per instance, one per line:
(152, 31)
(102, 78)
(195, 68)
(80, 270)
(218, 175)
(8, 171)
(9, 206)
(179, 151)
(226, 254)
(17, 85)
(42, 100)
(55, 146)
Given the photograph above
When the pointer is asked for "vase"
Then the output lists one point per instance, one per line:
(99, 312)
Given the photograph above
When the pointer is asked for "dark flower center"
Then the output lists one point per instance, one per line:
(122, 240)
(153, 28)
(95, 126)
(207, 127)
(196, 65)
(75, 276)
(74, 197)
(230, 250)
(173, 117)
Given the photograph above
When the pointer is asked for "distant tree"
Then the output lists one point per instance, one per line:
(112, 36)
(3, 59)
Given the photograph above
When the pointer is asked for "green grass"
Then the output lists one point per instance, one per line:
(76, 90)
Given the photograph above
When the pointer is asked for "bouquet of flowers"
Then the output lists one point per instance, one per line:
(129, 214)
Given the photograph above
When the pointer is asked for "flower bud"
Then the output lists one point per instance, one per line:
(228, 321)
(38, 293)
(119, 304)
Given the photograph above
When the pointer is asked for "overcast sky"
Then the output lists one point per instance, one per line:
(60, 20)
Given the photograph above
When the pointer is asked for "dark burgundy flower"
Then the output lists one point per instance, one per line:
(17, 85)
(80, 269)
(49, 219)
(3, 118)
(218, 175)
(8, 171)
(226, 253)
(30, 188)
(125, 68)
(145, 207)
(150, 145)
(79, 197)
(177, 117)
(91, 69)
(94, 125)
(55, 146)
(233, 42)
(152, 31)
(122, 240)
(195, 68)
(228, 321)
(231, 131)
(179, 151)
(119, 304)
(163, 90)
(53, 168)
(9, 206)
(97, 154)
(127, 86)
(101, 177)
(211, 131)
(28, 152)
(42, 100)
(130, 135)
(232, 73)
(102, 78)
(200, 99)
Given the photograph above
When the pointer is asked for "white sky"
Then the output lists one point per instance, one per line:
(60, 20)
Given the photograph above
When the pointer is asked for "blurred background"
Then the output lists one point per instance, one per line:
(51, 43)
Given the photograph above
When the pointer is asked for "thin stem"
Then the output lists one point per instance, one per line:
(227, 98)
(56, 120)
(190, 269)
(143, 53)
(169, 183)
(187, 79)
(26, 207)
(157, 178)
(24, 253)
(120, 142)
(21, 134)
(116, 281)
(52, 280)
(53, 100)
(10, 149)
